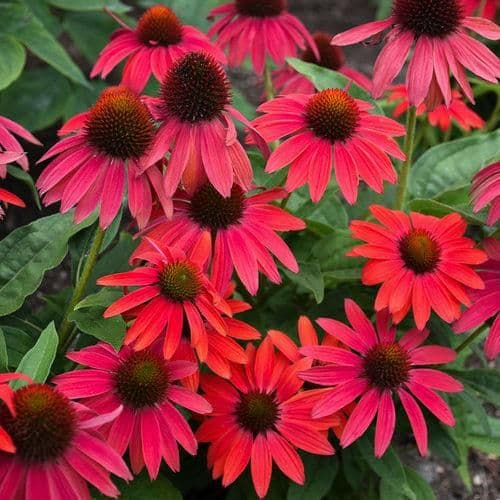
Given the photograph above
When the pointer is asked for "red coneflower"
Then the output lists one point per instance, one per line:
(423, 263)
(172, 285)
(259, 28)
(287, 81)
(442, 115)
(380, 368)
(106, 153)
(150, 425)
(197, 126)
(8, 197)
(486, 190)
(241, 228)
(328, 130)
(10, 149)
(485, 303)
(259, 416)
(157, 41)
(57, 449)
(437, 28)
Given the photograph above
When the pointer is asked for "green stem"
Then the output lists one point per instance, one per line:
(268, 83)
(66, 327)
(411, 126)
(469, 339)
(493, 120)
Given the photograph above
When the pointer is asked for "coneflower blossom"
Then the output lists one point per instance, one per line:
(485, 303)
(486, 190)
(259, 28)
(260, 417)
(144, 384)
(489, 8)
(287, 81)
(157, 41)
(104, 154)
(172, 288)
(375, 368)
(442, 115)
(241, 228)
(10, 149)
(58, 450)
(423, 262)
(437, 30)
(328, 130)
(196, 125)
(7, 400)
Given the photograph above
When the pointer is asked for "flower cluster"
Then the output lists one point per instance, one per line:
(211, 234)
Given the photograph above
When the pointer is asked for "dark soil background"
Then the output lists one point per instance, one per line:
(330, 16)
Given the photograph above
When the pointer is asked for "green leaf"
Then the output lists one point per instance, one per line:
(324, 78)
(389, 468)
(476, 408)
(103, 298)
(12, 59)
(89, 5)
(20, 174)
(485, 444)
(28, 252)
(442, 443)
(18, 344)
(4, 357)
(419, 485)
(52, 90)
(438, 209)
(41, 10)
(452, 165)
(310, 277)
(38, 360)
(483, 381)
(384, 9)
(81, 98)
(320, 473)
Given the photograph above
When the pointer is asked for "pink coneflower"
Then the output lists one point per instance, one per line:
(423, 263)
(7, 399)
(485, 190)
(158, 40)
(58, 450)
(150, 425)
(241, 229)
(328, 130)
(172, 286)
(197, 125)
(287, 81)
(441, 116)
(10, 149)
(259, 416)
(486, 303)
(437, 29)
(106, 153)
(379, 368)
(472, 8)
(259, 28)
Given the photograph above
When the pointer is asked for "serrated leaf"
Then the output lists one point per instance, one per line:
(28, 252)
(310, 277)
(38, 360)
(12, 59)
(452, 165)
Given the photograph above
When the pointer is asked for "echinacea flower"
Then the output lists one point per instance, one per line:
(8, 197)
(7, 400)
(172, 287)
(260, 417)
(376, 368)
(105, 154)
(486, 190)
(58, 450)
(241, 228)
(489, 8)
(485, 303)
(259, 28)
(196, 124)
(10, 149)
(442, 115)
(437, 30)
(288, 81)
(144, 384)
(157, 41)
(328, 130)
(423, 263)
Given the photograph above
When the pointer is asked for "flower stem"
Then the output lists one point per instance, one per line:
(411, 126)
(469, 339)
(65, 328)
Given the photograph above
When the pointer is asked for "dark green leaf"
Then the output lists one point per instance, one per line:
(12, 59)
(419, 485)
(26, 178)
(89, 5)
(310, 277)
(4, 357)
(320, 473)
(18, 344)
(38, 360)
(438, 209)
(442, 444)
(476, 408)
(102, 298)
(484, 381)
(82, 98)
